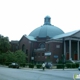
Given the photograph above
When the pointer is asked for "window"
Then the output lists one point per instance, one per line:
(41, 45)
(39, 54)
(26, 51)
(36, 54)
(57, 46)
(42, 54)
(23, 48)
(16, 47)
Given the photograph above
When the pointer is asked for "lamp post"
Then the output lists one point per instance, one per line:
(32, 58)
(31, 51)
(63, 60)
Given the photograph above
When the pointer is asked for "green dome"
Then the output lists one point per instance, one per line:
(46, 30)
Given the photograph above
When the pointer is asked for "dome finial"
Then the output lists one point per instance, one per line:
(47, 20)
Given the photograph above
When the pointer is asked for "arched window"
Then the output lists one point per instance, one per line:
(23, 48)
(27, 52)
(42, 45)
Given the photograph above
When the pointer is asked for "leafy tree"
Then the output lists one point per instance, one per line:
(7, 57)
(2, 58)
(4, 44)
(20, 56)
(10, 57)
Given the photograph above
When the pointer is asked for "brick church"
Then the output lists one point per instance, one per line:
(49, 43)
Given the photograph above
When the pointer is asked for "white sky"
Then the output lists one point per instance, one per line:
(19, 17)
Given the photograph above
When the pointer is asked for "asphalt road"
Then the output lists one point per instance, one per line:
(30, 74)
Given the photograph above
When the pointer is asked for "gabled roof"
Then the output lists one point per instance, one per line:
(30, 38)
(14, 41)
(65, 34)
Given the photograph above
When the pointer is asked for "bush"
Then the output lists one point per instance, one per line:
(38, 65)
(31, 65)
(60, 66)
(68, 61)
(7, 63)
(73, 65)
(60, 62)
(22, 64)
(68, 65)
(77, 65)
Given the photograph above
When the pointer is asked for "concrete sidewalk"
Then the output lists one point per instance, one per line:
(67, 73)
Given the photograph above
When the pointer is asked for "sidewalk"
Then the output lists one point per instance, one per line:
(67, 73)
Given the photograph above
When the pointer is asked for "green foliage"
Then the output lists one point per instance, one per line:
(27, 64)
(4, 44)
(9, 57)
(31, 65)
(60, 66)
(2, 58)
(77, 65)
(68, 65)
(38, 65)
(7, 63)
(73, 65)
(68, 61)
(22, 64)
(20, 57)
(60, 62)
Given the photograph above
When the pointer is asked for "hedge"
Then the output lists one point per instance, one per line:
(38, 65)
(22, 64)
(60, 66)
(31, 65)
(72, 65)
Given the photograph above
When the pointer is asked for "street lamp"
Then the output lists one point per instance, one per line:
(32, 58)
(31, 51)
(63, 60)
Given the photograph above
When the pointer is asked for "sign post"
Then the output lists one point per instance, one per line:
(32, 58)
(47, 56)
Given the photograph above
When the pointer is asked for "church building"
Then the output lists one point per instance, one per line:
(49, 43)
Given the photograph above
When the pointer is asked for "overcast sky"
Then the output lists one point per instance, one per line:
(19, 17)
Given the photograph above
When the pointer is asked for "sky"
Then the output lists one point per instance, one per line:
(19, 17)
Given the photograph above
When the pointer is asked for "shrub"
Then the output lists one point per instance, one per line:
(73, 65)
(60, 62)
(77, 65)
(31, 65)
(68, 61)
(60, 66)
(7, 63)
(38, 65)
(68, 65)
(22, 64)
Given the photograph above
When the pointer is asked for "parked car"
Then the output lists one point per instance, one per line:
(79, 68)
(48, 65)
(14, 65)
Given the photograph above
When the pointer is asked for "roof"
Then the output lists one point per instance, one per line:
(65, 34)
(30, 38)
(46, 30)
(14, 41)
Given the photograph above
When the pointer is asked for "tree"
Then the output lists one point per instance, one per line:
(7, 57)
(4, 44)
(20, 56)
(10, 57)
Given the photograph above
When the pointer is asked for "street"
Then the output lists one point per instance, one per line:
(35, 74)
